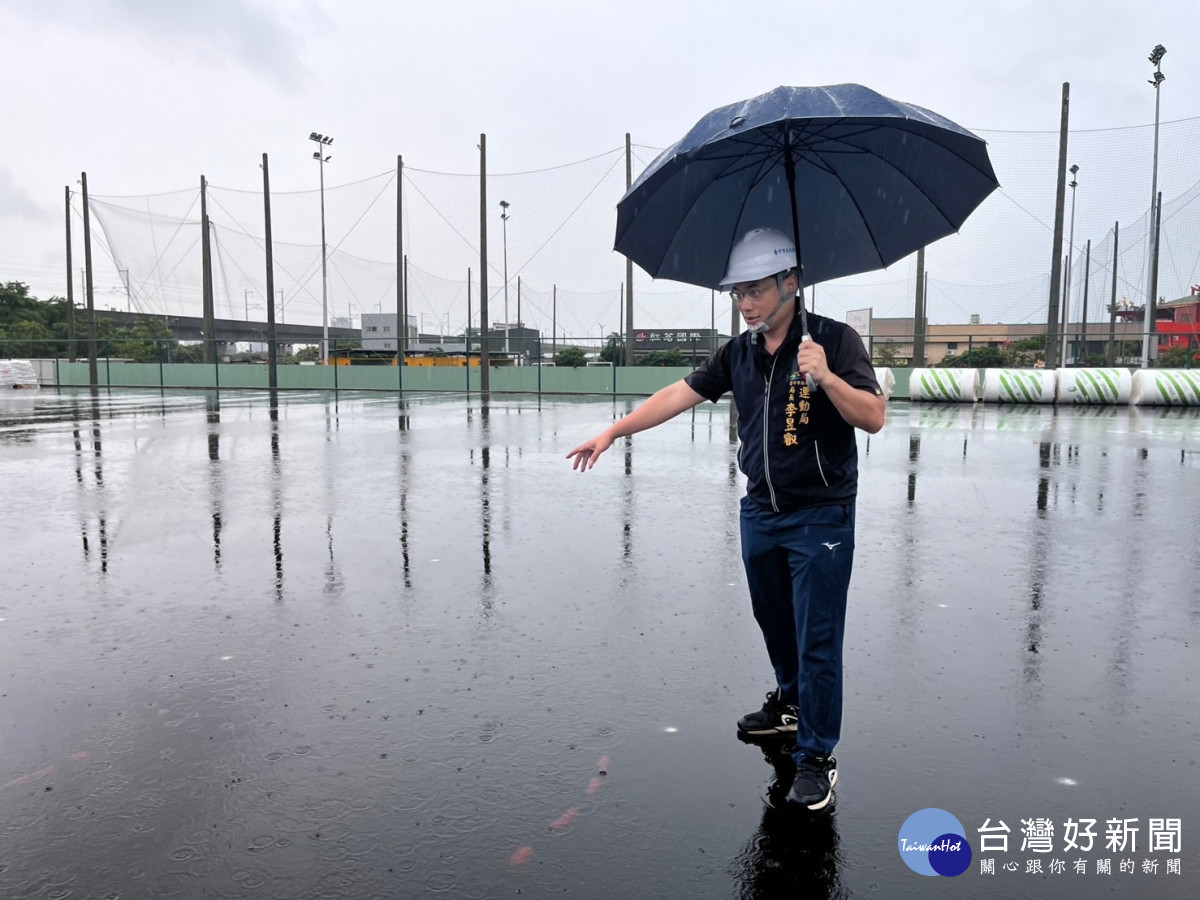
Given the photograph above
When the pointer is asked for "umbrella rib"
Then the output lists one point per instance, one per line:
(902, 174)
(878, 126)
(867, 128)
(862, 217)
(763, 163)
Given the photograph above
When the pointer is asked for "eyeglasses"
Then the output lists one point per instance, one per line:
(753, 294)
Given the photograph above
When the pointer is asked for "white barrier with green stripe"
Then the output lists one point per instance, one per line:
(887, 381)
(1019, 385)
(944, 385)
(1086, 386)
(1166, 387)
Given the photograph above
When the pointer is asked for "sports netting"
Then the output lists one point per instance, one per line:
(559, 235)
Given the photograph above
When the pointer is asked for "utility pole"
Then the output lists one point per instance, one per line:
(1066, 303)
(1112, 304)
(322, 141)
(1060, 198)
(93, 375)
(504, 204)
(210, 324)
(1152, 306)
(401, 299)
(485, 383)
(1149, 336)
(1087, 266)
(467, 331)
(70, 288)
(628, 261)
(272, 348)
(918, 354)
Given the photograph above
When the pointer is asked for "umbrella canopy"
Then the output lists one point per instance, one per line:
(859, 179)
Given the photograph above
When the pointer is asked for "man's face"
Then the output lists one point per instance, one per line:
(756, 300)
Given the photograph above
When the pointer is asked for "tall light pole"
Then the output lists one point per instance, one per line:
(504, 204)
(322, 141)
(1066, 316)
(1148, 330)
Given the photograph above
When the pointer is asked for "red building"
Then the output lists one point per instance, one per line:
(1178, 322)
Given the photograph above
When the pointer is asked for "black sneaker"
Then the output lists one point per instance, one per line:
(813, 785)
(775, 717)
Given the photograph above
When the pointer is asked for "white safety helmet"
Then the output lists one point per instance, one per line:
(761, 252)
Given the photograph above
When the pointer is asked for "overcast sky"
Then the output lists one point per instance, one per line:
(145, 95)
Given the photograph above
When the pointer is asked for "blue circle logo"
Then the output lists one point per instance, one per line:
(933, 842)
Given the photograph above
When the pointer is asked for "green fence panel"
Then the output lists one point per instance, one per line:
(316, 378)
(186, 375)
(635, 380)
(72, 374)
(244, 376)
(365, 378)
(648, 379)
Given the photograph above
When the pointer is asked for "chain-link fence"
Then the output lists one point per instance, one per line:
(551, 267)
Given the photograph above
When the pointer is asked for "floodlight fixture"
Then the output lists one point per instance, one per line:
(322, 141)
(1157, 54)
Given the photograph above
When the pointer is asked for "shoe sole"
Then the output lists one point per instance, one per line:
(817, 807)
(767, 732)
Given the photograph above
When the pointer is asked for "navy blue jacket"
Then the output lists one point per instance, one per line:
(797, 451)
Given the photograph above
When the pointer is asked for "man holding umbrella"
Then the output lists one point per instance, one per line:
(846, 181)
(800, 394)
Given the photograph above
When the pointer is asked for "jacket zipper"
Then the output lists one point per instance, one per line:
(766, 436)
(820, 468)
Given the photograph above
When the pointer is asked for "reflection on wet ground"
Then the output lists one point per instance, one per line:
(359, 647)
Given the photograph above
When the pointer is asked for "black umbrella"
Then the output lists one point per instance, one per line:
(859, 180)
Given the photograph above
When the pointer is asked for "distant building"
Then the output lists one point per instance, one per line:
(515, 340)
(942, 341)
(379, 331)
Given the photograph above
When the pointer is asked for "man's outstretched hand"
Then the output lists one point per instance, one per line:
(586, 454)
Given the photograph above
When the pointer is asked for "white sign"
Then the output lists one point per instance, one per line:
(860, 321)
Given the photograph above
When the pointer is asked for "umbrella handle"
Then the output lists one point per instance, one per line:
(808, 379)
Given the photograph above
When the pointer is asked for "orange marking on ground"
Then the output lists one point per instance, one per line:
(32, 776)
(521, 856)
(563, 822)
(596, 783)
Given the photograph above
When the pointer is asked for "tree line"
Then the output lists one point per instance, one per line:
(40, 329)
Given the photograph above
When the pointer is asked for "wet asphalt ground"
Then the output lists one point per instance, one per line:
(356, 648)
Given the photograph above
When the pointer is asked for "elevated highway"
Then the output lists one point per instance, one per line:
(191, 328)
